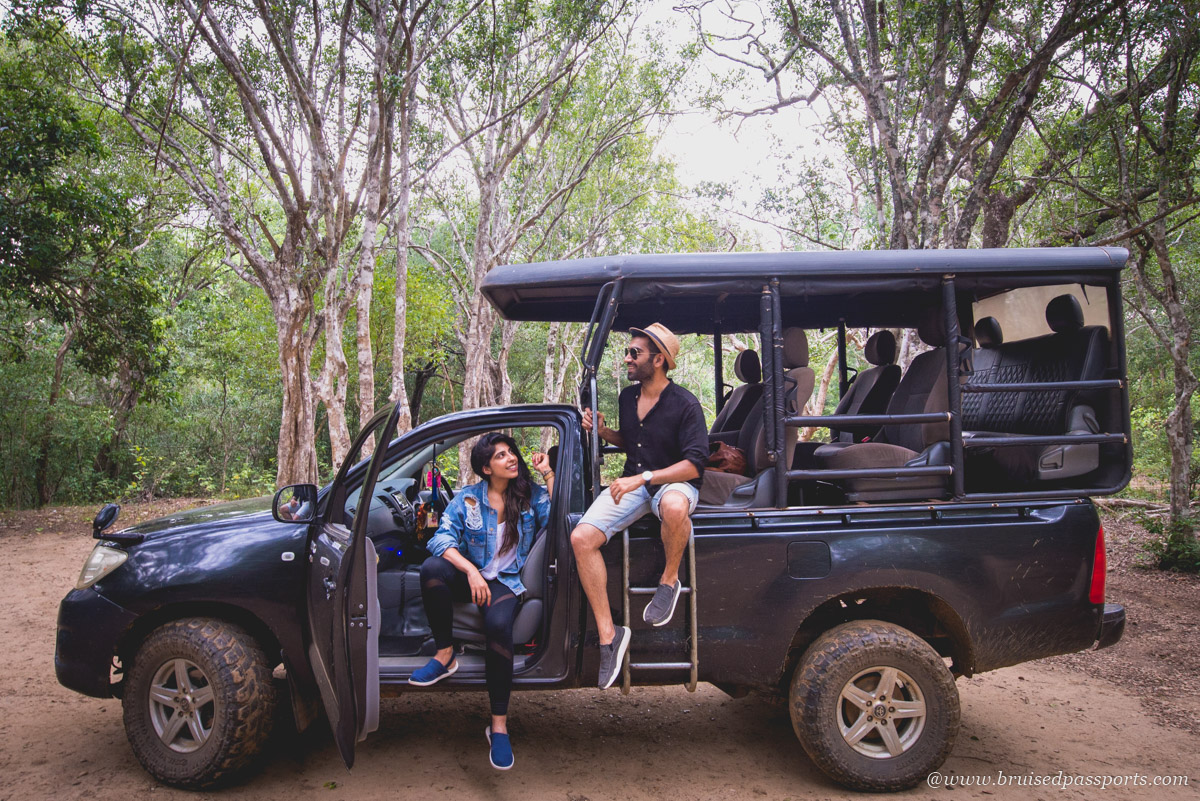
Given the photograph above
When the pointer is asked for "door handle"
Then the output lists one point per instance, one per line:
(330, 586)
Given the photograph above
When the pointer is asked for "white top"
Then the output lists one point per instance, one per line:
(502, 559)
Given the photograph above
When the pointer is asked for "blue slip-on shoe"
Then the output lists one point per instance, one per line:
(433, 672)
(501, 755)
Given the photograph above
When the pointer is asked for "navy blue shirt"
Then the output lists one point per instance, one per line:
(673, 430)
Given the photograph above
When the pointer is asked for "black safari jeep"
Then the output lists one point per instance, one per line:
(941, 526)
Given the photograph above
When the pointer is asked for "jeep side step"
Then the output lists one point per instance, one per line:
(628, 665)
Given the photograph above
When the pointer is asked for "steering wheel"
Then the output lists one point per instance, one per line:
(403, 513)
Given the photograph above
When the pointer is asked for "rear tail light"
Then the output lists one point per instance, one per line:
(1099, 569)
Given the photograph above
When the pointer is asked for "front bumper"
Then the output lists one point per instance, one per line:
(89, 626)
(1112, 625)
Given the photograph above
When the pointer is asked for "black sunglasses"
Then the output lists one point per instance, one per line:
(636, 353)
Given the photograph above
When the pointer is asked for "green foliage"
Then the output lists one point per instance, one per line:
(1177, 547)
(429, 324)
(28, 424)
(68, 214)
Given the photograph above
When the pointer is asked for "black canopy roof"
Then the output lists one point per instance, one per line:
(686, 291)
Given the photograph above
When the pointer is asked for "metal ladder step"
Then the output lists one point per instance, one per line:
(693, 666)
(652, 590)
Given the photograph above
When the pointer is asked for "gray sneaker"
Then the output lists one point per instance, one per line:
(612, 655)
(662, 606)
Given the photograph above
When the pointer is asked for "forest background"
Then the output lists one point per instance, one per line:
(231, 230)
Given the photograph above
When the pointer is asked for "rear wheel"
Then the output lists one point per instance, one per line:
(199, 703)
(874, 706)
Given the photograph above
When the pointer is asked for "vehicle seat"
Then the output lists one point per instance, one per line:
(984, 359)
(922, 390)
(798, 383)
(988, 333)
(741, 400)
(1073, 352)
(468, 620)
(871, 390)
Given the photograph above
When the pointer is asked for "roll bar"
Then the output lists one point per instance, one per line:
(776, 418)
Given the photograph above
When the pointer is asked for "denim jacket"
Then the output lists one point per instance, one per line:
(469, 524)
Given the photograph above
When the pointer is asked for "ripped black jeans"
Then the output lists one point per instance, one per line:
(442, 584)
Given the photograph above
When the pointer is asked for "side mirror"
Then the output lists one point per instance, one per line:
(296, 503)
(105, 518)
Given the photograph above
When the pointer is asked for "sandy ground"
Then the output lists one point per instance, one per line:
(1128, 711)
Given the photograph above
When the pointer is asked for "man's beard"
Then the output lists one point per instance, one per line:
(641, 372)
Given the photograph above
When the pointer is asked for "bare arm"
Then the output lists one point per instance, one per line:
(541, 463)
(678, 473)
(681, 471)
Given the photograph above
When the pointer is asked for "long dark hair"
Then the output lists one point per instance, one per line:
(518, 492)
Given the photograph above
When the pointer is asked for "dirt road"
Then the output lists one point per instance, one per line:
(1034, 720)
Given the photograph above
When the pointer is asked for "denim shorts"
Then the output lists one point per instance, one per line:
(612, 517)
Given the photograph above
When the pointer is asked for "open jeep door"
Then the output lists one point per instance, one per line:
(343, 608)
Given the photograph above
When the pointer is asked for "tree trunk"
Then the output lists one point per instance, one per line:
(1179, 440)
(223, 424)
(1179, 421)
(508, 333)
(122, 394)
(330, 386)
(477, 388)
(45, 491)
(817, 403)
(364, 284)
(296, 452)
(562, 388)
(910, 346)
(399, 392)
(477, 349)
(420, 381)
(366, 359)
(551, 390)
(477, 352)
(570, 340)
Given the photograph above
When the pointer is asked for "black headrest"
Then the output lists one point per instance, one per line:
(931, 330)
(1064, 314)
(747, 367)
(988, 332)
(880, 348)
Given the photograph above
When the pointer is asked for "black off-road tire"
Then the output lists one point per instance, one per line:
(224, 657)
(818, 710)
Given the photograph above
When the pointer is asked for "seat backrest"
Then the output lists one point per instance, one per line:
(872, 389)
(533, 572)
(741, 400)
(922, 390)
(984, 360)
(1073, 352)
(798, 383)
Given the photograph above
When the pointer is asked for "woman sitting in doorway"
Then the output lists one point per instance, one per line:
(478, 552)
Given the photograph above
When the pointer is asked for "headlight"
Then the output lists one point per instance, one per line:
(102, 561)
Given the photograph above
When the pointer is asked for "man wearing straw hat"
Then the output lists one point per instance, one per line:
(665, 440)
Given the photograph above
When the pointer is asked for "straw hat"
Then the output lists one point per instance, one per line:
(663, 339)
